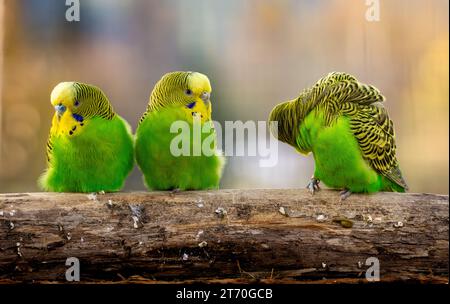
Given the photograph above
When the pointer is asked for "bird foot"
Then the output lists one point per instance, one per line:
(313, 185)
(344, 194)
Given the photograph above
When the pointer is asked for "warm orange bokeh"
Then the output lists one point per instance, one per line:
(256, 53)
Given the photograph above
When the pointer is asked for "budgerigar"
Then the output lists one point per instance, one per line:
(90, 148)
(345, 125)
(182, 97)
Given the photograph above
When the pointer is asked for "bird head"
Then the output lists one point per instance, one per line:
(62, 98)
(190, 91)
(285, 117)
(75, 103)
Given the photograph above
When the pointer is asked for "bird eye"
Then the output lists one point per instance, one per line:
(77, 103)
(188, 92)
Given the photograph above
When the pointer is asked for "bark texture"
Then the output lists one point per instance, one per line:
(273, 236)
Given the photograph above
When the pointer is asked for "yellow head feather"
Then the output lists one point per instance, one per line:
(190, 91)
(63, 93)
(75, 103)
(199, 83)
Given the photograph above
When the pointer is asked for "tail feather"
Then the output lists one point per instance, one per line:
(395, 175)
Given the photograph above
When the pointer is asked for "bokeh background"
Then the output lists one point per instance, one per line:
(256, 52)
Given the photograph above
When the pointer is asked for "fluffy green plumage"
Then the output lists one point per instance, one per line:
(90, 148)
(177, 97)
(343, 123)
(162, 170)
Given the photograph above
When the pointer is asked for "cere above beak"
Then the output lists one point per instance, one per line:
(60, 109)
(205, 96)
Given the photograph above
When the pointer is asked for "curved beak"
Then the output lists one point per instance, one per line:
(205, 97)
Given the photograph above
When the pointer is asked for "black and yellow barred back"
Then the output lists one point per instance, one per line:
(49, 148)
(168, 90)
(93, 102)
(340, 94)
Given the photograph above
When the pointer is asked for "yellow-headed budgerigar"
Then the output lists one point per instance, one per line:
(178, 97)
(345, 125)
(90, 147)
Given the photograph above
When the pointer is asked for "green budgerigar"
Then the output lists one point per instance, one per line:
(90, 148)
(179, 99)
(345, 125)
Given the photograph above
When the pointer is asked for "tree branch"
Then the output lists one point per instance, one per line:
(223, 236)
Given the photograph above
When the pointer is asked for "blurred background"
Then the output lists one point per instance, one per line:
(257, 53)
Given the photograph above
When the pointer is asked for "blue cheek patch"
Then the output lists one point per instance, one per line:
(191, 105)
(78, 117)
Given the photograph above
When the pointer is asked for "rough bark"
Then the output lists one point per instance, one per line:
(274, 236)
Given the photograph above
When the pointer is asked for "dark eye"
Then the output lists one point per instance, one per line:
(77, 103)
(188, 92)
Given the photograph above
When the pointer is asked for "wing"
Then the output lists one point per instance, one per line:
(375, 134)
(342, 94)
(49, 150)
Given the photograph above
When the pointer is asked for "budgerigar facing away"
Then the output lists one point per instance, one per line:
(90, 148)
(348, 130)
(182, 97)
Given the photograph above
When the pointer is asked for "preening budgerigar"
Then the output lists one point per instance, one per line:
(345, 125)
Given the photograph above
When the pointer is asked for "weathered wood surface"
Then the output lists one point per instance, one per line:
(272, 236)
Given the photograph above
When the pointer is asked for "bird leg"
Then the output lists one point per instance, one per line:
(344, 194)
(175, 191)
(313, 185)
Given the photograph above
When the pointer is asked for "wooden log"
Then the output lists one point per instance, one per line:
(273, 236)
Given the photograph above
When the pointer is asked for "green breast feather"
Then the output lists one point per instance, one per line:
(99, 159)
(90, 148)
(164, 171)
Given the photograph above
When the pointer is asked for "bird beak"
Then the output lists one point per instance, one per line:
(205, 97)
(60, 109)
